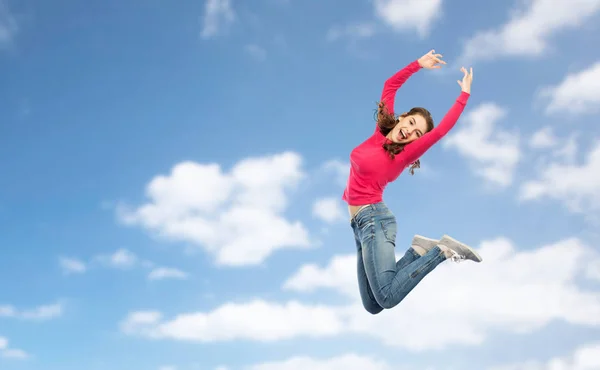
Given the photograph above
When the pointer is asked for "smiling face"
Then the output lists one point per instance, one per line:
(409, 128)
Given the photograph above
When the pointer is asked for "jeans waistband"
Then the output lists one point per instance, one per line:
(373, 207)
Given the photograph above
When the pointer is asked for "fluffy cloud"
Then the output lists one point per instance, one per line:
(492, 152)
(403, 15)
(343, 362)
(329, 210)
(585, 358)
(217, 14)
(578, 93)
(72, 266)
(8, 25)
(40, 313)
(575, 185)
(529, 28)
(479, 299)
(237, 216)
(256, 320)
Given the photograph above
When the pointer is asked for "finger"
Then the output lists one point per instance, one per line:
(437, 55)
(471, 72)
(459, 84)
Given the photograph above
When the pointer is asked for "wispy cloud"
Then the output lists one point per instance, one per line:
(529, 29)
(348, 361)
(72, 265)
(217, 15)
(40, 313)
(255, 51)
(11, 353)
(574, 184)
(543, 138)
(8, 25)
(586, 357)
(162, 273)
(492, 153)
(578, 93)
(352, 31)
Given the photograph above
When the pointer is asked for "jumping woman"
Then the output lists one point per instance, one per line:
(397, 143)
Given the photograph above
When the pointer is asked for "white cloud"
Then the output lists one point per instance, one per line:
(7, 352)
(256, 320)
(578, 93)
(161, 273)
(72, 265)
(527, 32)
(512, 291)
(329, 210)
(217, 14)
(492, 152)
(348, 361)
(257, 52)
(236, 216)
(40, 313)
(404, 15)
(586, 357)
(575, 185)
(543, 138)
(8, 25)
(121, 259)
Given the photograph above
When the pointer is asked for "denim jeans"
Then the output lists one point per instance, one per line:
(384, 282)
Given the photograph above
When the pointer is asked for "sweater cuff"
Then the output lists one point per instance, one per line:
(463, 97)
(414, 65)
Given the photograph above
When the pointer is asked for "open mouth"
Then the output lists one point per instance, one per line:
(402, 134)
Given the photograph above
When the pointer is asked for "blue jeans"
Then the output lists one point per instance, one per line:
(384, 282)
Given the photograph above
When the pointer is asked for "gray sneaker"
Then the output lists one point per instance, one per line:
(461, 249)
(425, 243)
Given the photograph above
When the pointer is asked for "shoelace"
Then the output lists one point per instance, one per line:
(457, 257)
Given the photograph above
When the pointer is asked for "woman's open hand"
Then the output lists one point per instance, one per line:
(431, 60)
(465, 84)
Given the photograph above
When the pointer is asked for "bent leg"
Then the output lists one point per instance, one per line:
(409, 257)
(389, 284)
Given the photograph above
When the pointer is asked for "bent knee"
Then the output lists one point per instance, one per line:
(373, 309)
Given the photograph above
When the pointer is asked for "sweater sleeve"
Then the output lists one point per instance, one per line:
(417, 148)
(392, 84)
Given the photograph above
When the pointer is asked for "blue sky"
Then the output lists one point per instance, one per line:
(172, 172)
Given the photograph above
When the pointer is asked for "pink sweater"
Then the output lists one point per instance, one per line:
(371, 168)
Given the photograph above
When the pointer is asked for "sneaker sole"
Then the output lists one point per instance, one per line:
(471, 250)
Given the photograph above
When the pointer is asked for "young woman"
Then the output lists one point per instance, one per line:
(397, 143)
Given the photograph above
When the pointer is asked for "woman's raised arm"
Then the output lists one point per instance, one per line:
(392, 84)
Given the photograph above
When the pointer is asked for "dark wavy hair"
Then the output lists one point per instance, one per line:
(386, 123)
